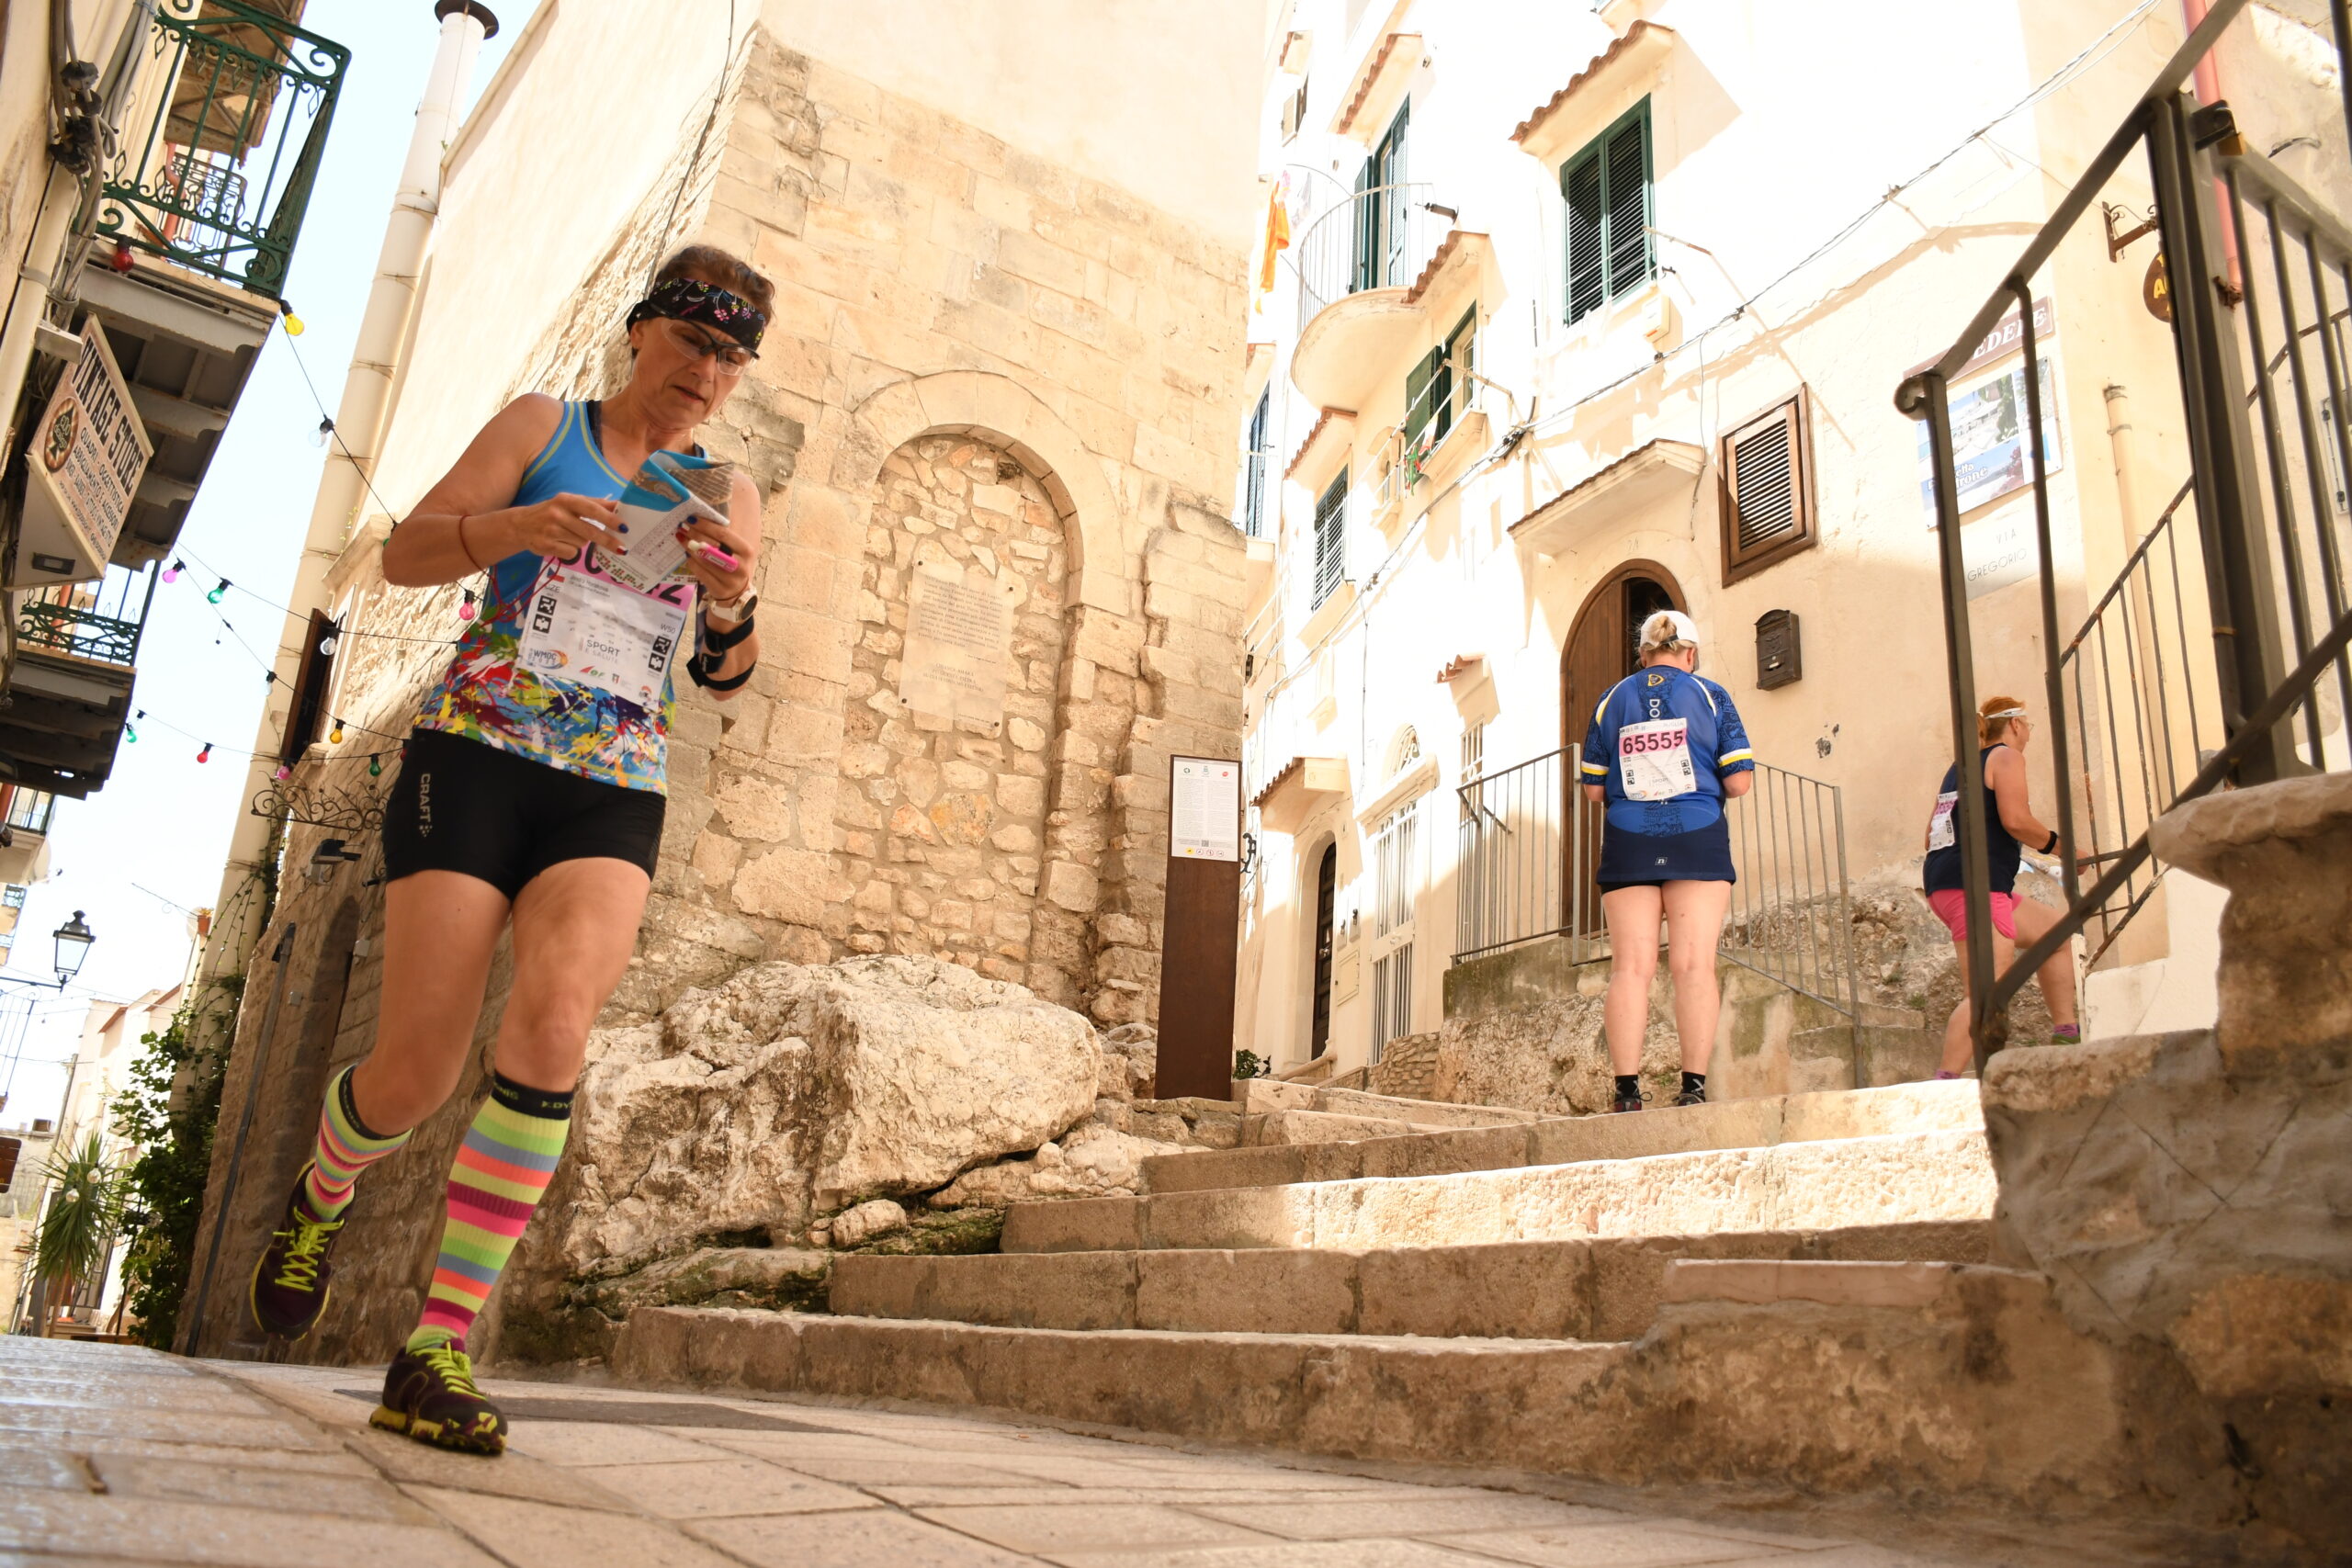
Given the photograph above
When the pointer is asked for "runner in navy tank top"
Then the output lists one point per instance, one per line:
(2005, 814)
(1665, 749)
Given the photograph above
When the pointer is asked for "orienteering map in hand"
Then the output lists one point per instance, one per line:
(671, 491)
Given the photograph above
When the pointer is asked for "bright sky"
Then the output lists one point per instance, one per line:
(163, 822)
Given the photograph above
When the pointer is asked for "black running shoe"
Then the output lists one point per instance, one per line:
(429, 1395)
(1690, 1097)
(1627, 1103)
(290, 1280)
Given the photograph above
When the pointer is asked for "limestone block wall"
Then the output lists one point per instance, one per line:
(970, 340)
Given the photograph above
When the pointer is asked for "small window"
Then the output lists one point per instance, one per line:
(1767, 488)
(1253, 490)
(1438, 389)
(1406, 751)
(1294, 112)
(1607, 186)
(1330, 538)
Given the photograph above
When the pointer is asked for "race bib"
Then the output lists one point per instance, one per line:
(1940, 831)
(600, 634)
(1654, 759)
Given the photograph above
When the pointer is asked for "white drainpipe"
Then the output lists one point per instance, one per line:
(358, 420)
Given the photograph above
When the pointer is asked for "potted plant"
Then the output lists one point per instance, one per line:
(78, 1229)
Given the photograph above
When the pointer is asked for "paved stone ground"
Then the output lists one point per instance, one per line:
(119, 1456)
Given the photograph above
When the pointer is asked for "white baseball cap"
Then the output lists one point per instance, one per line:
(1685, 628)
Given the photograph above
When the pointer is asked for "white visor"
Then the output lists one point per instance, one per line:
(2006, 713)
(1685, 629)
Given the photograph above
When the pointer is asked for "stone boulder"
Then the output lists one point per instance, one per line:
(789, 1092)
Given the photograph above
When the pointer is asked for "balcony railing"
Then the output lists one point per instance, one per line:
(1379, 238)
(220, 179)
(1528, 844)
(99, 622)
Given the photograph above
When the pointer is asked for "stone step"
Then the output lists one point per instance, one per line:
(1831, 1395)
(1729, 1124)
(1603, 1289)
(1284, 1129)
(1815, 1185)
(1267, 1095)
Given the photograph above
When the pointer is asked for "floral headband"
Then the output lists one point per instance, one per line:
(691, 299)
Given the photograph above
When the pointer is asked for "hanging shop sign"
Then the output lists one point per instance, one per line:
(88, 452)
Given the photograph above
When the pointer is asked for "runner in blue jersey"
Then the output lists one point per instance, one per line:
(1666, 748)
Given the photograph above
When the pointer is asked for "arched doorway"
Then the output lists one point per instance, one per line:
(1326, 891)
(1599, 654)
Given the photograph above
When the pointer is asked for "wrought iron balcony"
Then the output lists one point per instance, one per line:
(69, 685)
(1359, 309)
(219, 179)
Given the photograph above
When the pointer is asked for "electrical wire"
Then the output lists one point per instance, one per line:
(685, 176)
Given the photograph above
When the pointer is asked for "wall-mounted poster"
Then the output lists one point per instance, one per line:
(1988, 450)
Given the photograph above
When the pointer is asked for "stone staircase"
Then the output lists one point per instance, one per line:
(1561, 1229)
(1450, 1294)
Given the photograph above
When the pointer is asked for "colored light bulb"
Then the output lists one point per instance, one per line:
(120, 260)
(171, 573)
(293, 322)
(466, 607)
(335, 736)
(130, 734)
(283, 771)
(374, 767)
(219, 594)
(205, 755)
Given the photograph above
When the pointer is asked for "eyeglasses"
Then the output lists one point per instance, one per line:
(729, 359)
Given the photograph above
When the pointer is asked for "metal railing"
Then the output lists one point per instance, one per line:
(1529, 841)
(220, 179)
(2263, 430)
(98, 622)
(1379, 238)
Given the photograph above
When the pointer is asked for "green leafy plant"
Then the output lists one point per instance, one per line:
(1250, 1065)
(169, 1111)
(77, 1229)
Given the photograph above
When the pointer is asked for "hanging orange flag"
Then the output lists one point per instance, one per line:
(1277, 239)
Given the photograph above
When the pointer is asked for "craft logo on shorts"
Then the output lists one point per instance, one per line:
(424, 805)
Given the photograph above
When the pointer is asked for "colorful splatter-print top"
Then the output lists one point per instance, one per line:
(487, 694)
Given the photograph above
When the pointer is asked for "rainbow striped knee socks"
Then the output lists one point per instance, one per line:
(344, 1149)
(506, 1163)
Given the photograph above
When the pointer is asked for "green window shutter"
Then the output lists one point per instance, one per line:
(1419, 400)
(1626, 154)
(1607, 187)
(1580, 182)
(1330, 538)
(1453, 370)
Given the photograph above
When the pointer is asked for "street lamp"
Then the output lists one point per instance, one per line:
(73, 940)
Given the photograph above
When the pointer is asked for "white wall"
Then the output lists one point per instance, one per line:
(1773, 132)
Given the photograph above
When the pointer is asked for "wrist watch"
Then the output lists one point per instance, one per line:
(737, 609)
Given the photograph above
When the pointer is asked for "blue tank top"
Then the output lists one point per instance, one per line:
(486, 694)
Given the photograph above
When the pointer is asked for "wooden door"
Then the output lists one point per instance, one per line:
(1326, 891)
(1599, 653)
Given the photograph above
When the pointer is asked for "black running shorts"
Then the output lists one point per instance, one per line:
(1643, 860)
(461, 805)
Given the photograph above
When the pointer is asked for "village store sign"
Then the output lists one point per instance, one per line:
(87, 455)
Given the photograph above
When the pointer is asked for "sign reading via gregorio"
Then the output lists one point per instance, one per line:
(88, 452)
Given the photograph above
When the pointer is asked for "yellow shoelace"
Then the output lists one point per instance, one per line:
(304, 1252)
(456, 1372)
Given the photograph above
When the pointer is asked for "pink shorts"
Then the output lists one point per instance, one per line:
(1951, 905)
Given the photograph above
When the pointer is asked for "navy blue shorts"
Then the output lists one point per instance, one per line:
(1643, 860)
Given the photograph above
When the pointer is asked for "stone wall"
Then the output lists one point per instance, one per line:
(1062, 361)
